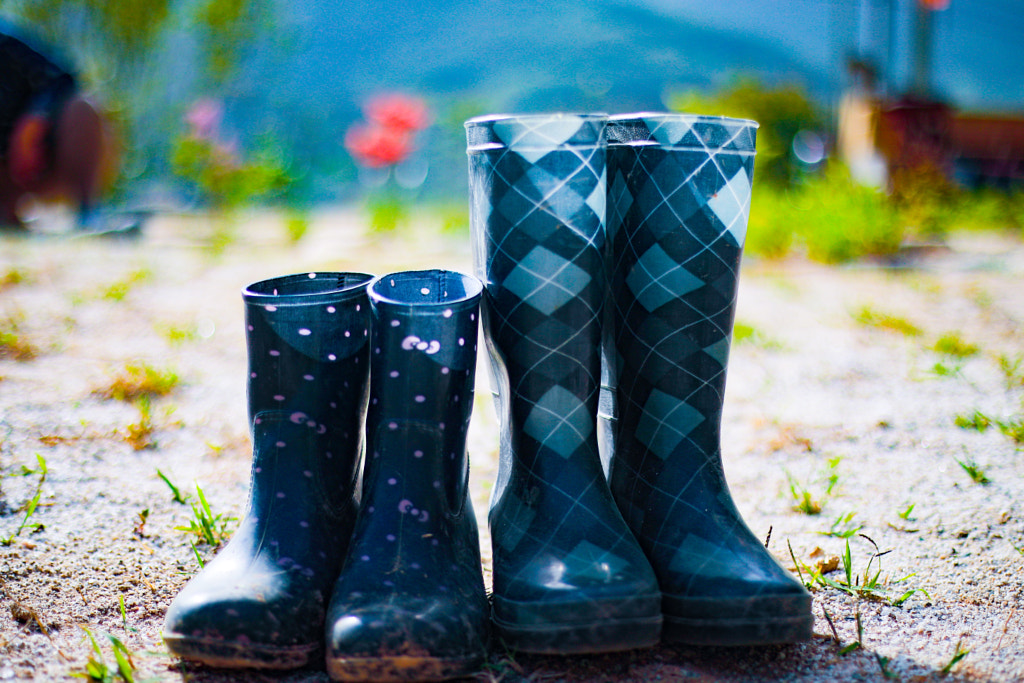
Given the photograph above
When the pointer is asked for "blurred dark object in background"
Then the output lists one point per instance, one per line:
(55, 144)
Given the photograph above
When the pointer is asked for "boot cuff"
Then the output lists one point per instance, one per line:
(426, 291)
(535, 131)
(306, 288)
(682, 131)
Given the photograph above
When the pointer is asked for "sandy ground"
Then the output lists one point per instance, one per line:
(859, 416)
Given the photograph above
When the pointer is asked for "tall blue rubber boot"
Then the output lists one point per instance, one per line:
(679, 195)
(261, 602)
(568, 574)
(409, 604)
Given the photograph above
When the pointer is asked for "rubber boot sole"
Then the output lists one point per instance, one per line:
(762, 620)
(401, 668)
(223, 654)
(598, 626)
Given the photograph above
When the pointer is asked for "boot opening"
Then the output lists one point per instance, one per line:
(303, 285)
(425, 287)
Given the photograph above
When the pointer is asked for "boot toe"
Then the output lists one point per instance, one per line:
(418, 640)
(588, 613)
(244, 626)
(746, 610)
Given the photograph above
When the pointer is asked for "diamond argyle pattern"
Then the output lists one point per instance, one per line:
(537, 200)
(664, 422)
(560, 420)
(546, 281)
(656, 279)
(680, 198)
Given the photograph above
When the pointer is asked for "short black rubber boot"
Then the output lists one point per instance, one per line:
(568, 575)
(410, 604)
(261, 602)
(679, 196)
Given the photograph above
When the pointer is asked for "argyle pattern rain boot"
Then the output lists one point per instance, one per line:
(261, 602)
(410, 604)
(568, 575)
(678, 202)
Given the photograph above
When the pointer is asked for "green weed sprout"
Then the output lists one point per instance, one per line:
(177, 495)
(974, 471)
(804, 500)
(33, 503)
(958, 655)
(209, 528)
(951, 344)
(868, 585)
(843, 526)
(97, 669)
(140, 379)
(905, 514)
(869, 317)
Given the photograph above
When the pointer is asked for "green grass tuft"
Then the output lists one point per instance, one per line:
(974, 471)
(13, 344)
(869, 317)
(138, 379)
(951, 344)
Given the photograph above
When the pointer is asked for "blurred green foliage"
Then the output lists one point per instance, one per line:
(822, 211)
(829, 215)
(116, 45)
(387, 210)
(109, 39)
(225, 26)
(226, 180)
(124, 28)
(782, 112)
(833, 219)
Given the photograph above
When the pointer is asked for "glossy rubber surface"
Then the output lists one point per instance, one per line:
(261, 601)
(409, 603)
(568, 575)
(679, 195)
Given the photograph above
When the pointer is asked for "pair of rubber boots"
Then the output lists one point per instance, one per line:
(611, 249)
(384, 583)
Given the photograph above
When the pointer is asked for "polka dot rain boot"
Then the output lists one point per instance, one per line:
(679, 195)
(410, 604)
(261, 602)
(568, 575)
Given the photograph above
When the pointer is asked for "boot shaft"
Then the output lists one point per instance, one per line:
(679, 195)
(308, 343)
(296, 504)
(307, 336)
(423, 367)
(537, 193)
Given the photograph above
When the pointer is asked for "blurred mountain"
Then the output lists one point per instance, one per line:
(305, 78)
(300, 81)
(562, 54)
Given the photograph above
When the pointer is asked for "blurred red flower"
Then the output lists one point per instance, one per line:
(399, 112)
(934, 5)
(377, 146)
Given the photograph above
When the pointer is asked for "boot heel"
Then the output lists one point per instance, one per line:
(738, 632)
(227, 655)
(398, 668)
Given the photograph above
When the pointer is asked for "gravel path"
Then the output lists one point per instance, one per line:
(826, 400)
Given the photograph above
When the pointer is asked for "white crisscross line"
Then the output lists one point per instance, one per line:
(591, 237)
